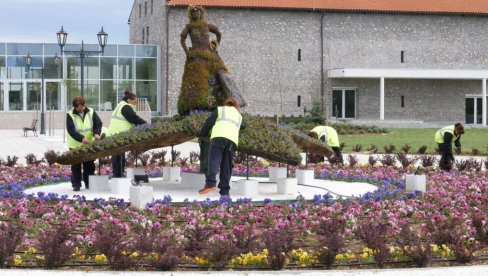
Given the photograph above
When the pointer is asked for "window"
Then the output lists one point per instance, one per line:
(299, 54)
(145, 9)
(402, 56)
(147, 35)
(299, 100)
(402, 98)
(140, 11)
(143, 36)
(152, 2)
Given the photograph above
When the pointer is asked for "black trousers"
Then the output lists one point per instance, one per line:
(88, 169)
(118, 165)
(338, 154)
(220, 157)
(446, 156)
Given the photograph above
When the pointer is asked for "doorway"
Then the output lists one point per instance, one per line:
(344, 103)
(474, 110)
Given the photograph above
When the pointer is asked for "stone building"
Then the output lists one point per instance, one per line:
(392, 60)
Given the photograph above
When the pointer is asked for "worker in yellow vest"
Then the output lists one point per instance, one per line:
(444, 138)
(124, 117)
(84, 126)
(224, 123)
(328, 135)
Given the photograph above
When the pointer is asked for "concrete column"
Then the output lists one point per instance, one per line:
(483, 101)
(382, 98)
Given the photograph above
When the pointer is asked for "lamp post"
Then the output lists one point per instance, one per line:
(82, 53)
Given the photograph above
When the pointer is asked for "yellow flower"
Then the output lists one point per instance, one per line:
(100, 259)
(201, 261)
(32, 250)
(17, 260)
(339, 257)
(434, 248)
(134, 255)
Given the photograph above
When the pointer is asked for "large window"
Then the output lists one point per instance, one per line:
(146, 69)
(146, 89)
(108, 95)
(125, 68)
(33, 96)
(3, 69)
(15, 96)
(53, 97)
(2, 94)
(108, 68)
(106, 77)
(344, 103)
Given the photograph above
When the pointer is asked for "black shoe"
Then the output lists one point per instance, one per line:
(87, 187)
(76, 189)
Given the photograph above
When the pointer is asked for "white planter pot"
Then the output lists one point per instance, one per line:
(172, 174)
(304, 158)
(245, 188)
(140, 196)
(415, 182)
(276, 173)
(120, 186)
(193, 180)
(305, 177)
(99, 183)
(287, 186)
(135, 171)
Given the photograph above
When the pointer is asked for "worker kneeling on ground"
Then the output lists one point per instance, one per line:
(329, 135)
(444, 138)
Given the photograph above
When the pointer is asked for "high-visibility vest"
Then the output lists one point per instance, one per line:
(119, 123)
(84, 127)
(439, 135)
(228, 124)
(330, 134)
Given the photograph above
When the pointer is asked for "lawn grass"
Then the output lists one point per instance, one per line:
(415, 137)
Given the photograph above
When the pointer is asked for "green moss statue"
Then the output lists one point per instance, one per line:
(206, 83)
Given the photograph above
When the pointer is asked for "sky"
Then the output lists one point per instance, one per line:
(39, 20)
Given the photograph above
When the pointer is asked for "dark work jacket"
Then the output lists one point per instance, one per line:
(210, 122)
(70, 125)
(131, 116)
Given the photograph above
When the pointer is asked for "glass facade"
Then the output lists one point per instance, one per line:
(122, 67)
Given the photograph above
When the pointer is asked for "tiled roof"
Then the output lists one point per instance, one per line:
(402, 6)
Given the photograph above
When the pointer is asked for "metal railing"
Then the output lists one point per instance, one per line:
(142, 105)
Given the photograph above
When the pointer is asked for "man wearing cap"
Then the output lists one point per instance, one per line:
(444, 138)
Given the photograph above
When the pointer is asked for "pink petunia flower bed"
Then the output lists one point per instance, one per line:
(388, 228)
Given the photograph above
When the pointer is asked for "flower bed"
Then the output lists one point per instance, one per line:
(384, 229)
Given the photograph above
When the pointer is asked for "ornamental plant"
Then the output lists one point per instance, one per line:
(375, 235)
(413, 246)
(279, 241)
(331, 237)
(56, 245)
(10, 237)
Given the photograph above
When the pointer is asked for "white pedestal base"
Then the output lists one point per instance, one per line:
(140, 196)
(276, 173)
(305, 177)
(414, 183)
(193, 180)
(120, 186)
(172, 174)
(135, 171)
(245, 188)
(287, 186)
(99, 183)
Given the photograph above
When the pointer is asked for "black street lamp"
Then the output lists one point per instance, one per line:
(82, 53)
(28, 62)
